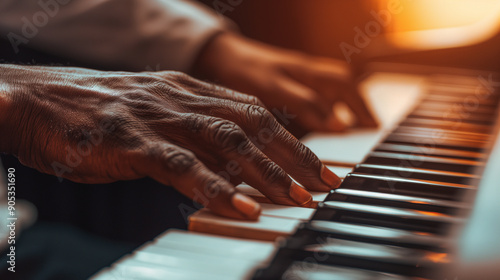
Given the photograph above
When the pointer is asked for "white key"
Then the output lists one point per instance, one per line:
(340, 171)
(390, 97)
(266, 228)
(186, 255)
(287, 212)
(259, 197)
(210, 244)
(131, 269)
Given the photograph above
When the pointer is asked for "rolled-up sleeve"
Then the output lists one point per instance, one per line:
(135, 35)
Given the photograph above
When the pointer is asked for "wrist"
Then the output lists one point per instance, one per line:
(7, 116)
(211, 61)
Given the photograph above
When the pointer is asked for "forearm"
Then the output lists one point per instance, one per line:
(131, 35)
(5, 104)
(12, 79)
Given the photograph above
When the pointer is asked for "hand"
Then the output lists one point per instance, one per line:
(97, 127)
(308, 85)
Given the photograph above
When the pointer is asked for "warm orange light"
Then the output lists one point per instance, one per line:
(432, 14)
(436, 214)
(418, 202)
(431, 24)
(437, 257)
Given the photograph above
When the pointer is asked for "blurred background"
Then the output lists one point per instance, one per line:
(450, 33)
(456, 33)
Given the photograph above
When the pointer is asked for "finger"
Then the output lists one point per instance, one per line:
(358, 106)
(312, 111)
(212, 90)
(335, 124)
(177, 167)
(229, 142)
(329, 77)
(313, 71)
(279, 145)
(228, 170)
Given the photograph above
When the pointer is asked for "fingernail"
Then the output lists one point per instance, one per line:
(300, 195)
(329, 178)
(246, 205)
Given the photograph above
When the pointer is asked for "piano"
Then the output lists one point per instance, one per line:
(419, 199)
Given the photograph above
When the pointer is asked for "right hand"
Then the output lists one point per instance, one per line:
(97, 127)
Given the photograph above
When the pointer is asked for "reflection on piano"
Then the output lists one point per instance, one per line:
(403, 210)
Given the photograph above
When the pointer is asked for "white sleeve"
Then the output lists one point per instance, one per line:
(135, 35)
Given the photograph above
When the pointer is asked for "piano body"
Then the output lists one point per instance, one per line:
(419, 199)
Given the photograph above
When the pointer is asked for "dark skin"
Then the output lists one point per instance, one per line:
(98, 127)
(308, 85)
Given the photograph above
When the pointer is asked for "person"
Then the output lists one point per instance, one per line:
(181, 35)
(97, 127)
(92, 126)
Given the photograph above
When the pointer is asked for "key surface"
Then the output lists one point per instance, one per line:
(417, 173)
(316, 230)
(431, 151)
(266, 228)
(399, 201)
(259, 197)
(425, 162)
(419, 188)
(407, 219)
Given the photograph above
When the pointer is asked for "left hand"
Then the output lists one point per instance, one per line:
(309, 86)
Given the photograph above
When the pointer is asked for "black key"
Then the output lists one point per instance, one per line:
(318, 230)
(390, 259)
(286, 269)
(425, 162)
(459, 126)
(302, 270)
(392, 217)
(438, 133)
(412, 187)
(417, 173)
(451, 99)
(430, 151)
(441, 142)
(474, 117)
(460, 108)
(398, 201)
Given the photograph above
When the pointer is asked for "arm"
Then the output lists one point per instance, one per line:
(5, 109)
(114, 34)
(140, 35)
(97, 127)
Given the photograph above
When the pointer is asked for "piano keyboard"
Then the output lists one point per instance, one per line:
(396, 214)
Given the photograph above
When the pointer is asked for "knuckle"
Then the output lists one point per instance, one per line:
(212, 187)
(134, 95)
(258, 114)
(252, 99)
(163, 88)
(178, 76)
(305, 158)
(175, 159)
(139, 100)
(211, 89)
(226, 134)
(272, 173)
(119, 117)
(142, 79)
(194, 122)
